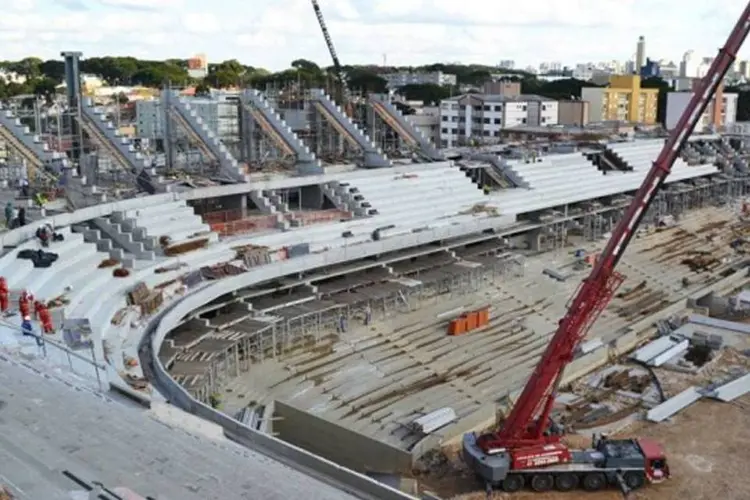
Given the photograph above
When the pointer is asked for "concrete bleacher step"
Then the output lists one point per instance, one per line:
(112, 237)
(67, 266)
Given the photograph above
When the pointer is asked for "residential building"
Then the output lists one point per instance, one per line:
(623, 100)
(402, 78)
(640, 54)
(720, 112)
(198, 66)
(479, 118)
(427, 120)
(573, 112)
(502, 87)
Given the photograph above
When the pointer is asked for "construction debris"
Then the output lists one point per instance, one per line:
(108, 263)
(188, 246)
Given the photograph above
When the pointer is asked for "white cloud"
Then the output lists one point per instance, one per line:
(408, 31)
(142, 4)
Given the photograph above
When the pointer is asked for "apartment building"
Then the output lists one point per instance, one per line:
(479, 118)
(622, 100)
(575, 113)
(720, 112)
(403, 78)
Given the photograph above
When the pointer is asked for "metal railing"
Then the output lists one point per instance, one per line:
(70, 354)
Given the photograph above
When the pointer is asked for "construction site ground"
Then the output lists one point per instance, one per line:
(708, 447)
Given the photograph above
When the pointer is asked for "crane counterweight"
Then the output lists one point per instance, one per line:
(525, 451)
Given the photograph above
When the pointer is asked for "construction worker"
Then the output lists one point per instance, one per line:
(4, 295)
(342, 323)
(9, 214)
(24, 303)
(21, 216)
(368, 314)
(27, 329)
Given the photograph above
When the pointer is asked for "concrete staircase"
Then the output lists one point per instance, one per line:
(122, 150)
(135, 234)
(110, 236)
(277, 129)
(30, 145)
(348, 198)
(270, 202)
(398, 122)
(503, 168)
(201, 133)
(373, 155)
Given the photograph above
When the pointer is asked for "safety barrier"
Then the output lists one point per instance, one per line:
(321, 216)
(247, 225)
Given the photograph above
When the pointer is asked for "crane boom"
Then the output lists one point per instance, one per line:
(528, 422)
(332, 50)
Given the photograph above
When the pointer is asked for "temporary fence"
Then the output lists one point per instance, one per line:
(247, 225)
(231, 222)
(321, 216)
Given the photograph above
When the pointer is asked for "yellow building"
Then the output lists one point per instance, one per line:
(623, 100)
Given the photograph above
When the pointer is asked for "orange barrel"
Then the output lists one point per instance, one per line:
(472, 321)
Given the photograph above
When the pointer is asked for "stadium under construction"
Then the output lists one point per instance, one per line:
(292, 293)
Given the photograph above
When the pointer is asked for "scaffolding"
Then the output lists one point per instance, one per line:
(230, 347)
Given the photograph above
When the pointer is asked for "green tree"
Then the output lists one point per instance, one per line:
(427, 93)
(366, 81)
(743, 102)
(202, 89)
(53, 69)
(28, 67)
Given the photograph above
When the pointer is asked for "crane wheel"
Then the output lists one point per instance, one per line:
(512, 483)
(566, 482)
(542, 482)
(594, 481)
(634, 480)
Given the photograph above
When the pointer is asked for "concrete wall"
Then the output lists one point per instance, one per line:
(339, 444)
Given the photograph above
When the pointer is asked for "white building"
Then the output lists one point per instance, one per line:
(220, 112)
(402, 78)
(678, 101)
(479, 118)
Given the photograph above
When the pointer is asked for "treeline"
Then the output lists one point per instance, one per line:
(42, 77)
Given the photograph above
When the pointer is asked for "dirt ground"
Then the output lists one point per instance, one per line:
(708, 449)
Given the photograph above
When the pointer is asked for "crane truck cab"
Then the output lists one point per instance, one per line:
(627, 463)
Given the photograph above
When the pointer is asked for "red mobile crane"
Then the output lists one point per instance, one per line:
(527, 449)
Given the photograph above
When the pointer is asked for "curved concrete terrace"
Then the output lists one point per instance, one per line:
(98, 299)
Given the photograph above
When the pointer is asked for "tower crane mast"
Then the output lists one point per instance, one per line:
(526, 447)
(343, 90)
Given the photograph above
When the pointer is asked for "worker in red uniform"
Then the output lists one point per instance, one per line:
(45, 318)
(4, 295)
(24, 304)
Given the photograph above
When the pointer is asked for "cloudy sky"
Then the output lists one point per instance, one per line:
(271, 33)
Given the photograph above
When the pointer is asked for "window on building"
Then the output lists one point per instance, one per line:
(544, 119)
(445, 118)
(498, 108)
(487, 108)
(523, 120)
(477, 108)
(444, 130)
(544, 107)
(486, 120)
(463, 107)
(497, 133)
(486, 133)
(524, 107)
(498, 121)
